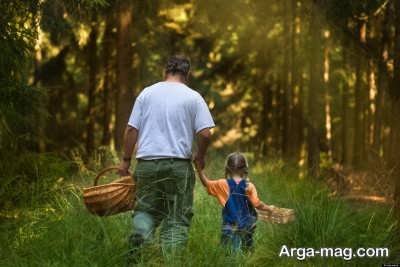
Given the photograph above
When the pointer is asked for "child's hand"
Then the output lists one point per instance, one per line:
(265, 207)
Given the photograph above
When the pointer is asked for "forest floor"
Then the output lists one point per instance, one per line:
(62, 233)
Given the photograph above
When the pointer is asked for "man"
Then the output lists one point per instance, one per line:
(165, 118)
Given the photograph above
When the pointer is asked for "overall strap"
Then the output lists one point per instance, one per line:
(232, 185)
(243, 185)
(238, 188)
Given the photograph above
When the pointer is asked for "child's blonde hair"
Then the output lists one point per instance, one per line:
(236, 163)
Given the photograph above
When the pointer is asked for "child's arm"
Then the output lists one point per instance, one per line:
(264, 207)
(203, 177)
(258, 204)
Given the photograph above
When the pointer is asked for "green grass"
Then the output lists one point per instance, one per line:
(62, 233)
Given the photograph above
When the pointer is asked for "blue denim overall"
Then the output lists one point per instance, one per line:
(239, 218)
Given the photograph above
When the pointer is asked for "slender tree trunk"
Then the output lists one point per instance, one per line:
(287, 82)
(277, 117)
(314, 96)
(359, 104)
(327, 95)
(107, 96)
(345, 108)
(125, 93)
(370, 110)
(41, 133)
(92, 63)
(297, 111)
(395, 92)
(382, 85)
(266, 118)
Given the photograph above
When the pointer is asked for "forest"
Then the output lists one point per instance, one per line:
(309, 90)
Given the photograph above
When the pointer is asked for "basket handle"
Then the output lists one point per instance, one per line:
(104, 171)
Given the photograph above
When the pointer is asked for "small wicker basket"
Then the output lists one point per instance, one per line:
(277, 215)
(112, 198)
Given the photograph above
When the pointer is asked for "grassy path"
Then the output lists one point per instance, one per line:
(62, 233)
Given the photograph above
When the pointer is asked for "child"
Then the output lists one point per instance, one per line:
(239, 198)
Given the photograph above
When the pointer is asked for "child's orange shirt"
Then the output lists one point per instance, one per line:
(220, 189)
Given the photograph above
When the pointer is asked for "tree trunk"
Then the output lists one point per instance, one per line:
(266, 118)
(314, 96)
(345, 107)
(125, 93)
(395, 92)
(92, 63)
(327, 96)
(107, 96)
(297, 111)
(41, 133)
(359, 104)
(370, 109)
(276, 116)
(287, 82)
(382, 85)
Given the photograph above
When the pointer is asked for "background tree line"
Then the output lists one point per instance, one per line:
(313, 82)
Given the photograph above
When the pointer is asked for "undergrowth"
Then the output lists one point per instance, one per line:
(60, 232)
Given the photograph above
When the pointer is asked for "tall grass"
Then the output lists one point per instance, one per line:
(29, 177)
(62, 233)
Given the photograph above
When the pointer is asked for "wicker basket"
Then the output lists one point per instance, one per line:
(277, 216)
(108, 199)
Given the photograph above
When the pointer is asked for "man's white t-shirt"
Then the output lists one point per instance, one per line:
(167, 116)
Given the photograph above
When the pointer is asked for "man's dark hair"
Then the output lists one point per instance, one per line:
(178, 65)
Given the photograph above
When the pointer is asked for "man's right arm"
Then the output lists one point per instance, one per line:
(131, 136)
(130, 139)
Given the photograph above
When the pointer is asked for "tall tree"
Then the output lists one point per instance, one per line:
(327, 93)
(382, 83)
(108, 79)
(92, 64)
(124, 92)
(359, 99)
(395, 92)
(345, 106)
(287, 84)
(265, 117)
(314, 96)
(297, 102)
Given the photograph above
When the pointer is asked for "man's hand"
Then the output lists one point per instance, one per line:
(124, 168)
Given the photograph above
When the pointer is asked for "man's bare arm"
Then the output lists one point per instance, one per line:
(130, 139)
(203, 141)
